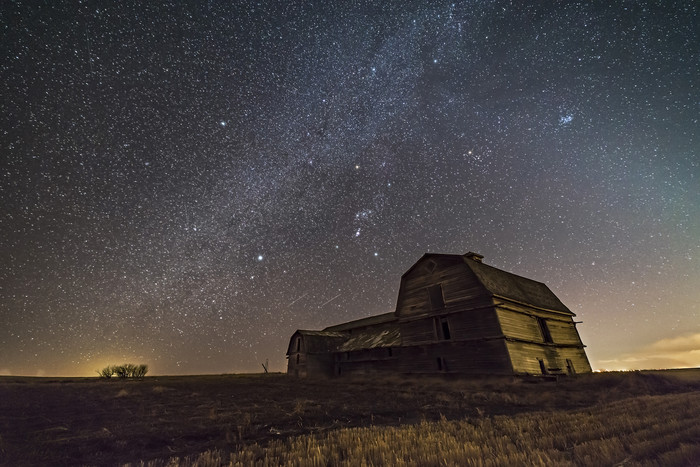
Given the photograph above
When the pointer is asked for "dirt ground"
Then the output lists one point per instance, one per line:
(88, 421)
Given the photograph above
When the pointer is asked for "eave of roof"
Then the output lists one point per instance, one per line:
(363, 322)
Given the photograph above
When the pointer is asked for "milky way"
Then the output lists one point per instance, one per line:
(186, 185)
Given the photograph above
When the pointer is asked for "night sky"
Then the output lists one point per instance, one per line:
(184, 184)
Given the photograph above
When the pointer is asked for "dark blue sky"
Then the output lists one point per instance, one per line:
(185, 184)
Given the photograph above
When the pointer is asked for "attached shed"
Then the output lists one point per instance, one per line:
(312, 352)
(454, 314)
(369, 351)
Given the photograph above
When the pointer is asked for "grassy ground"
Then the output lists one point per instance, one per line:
(601, 419)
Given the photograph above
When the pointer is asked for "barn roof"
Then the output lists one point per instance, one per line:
(363, 322)
(372, 338)
(513, 287)
(504, 284)
(318, 341)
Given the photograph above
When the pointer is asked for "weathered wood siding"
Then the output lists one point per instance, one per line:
(469, 324)
(472, 324)
(296, 364)
(518, 325)
(524, 325)
(459, 287)
(369, 361)
(524, 358)
(564, 332)
(465, 357)
(310, 365)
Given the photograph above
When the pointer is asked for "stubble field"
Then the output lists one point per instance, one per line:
(631, 418)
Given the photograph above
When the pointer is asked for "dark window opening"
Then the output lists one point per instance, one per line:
(297, 359)
(298, 344)
(390, 352)
(436, 299)
(570, 367)
(442, 329)
(445, 329)
(440, 364)
(544, 330)
(543, 368)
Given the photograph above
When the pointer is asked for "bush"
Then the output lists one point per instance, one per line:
(127, 370)
(106, 372)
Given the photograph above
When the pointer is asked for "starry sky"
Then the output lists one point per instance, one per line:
(184, 184)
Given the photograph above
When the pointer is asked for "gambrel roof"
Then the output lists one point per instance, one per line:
(510, 286)
(503, 284)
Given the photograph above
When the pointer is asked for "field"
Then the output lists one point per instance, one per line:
(631, 418)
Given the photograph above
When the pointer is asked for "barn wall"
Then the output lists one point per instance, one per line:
(564, 333)
(524, 357)
(469, 324)
(474, 324)
(319, 364)
(419, 331)
(296, 364)
(310, 365)
(523, 324)
(475, 357)
(519, 325)
(368, 361)
(460, 287)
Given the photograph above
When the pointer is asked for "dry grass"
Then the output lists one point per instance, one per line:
(647, 430)
(629, 418)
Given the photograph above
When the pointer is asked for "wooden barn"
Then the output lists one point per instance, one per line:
(454, 314)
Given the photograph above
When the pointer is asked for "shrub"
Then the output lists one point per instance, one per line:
(106, 372)
(127, 370)
(140, 371)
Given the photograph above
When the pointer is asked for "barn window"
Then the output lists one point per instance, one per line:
(445, 328)
(442, 328)
(570, 367)
(298, 344)
(544, 330)
(390, 352)
(436, 299)
(297, 359)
